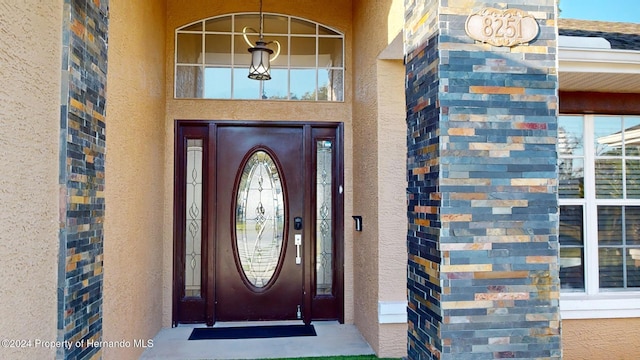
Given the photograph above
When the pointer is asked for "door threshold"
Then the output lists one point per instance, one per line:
(257, 323)
(245, 323)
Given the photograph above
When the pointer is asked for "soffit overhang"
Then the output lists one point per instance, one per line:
(599, 70)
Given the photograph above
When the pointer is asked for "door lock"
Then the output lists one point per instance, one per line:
(298, 243)
(297, 223)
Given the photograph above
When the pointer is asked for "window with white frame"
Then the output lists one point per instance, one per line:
(212, 59)
(599, 190)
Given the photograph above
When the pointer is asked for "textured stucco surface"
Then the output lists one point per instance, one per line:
(614, 339)
(30, 58)
(392, 217)
(133, 263)
(379, 174)
(333, 13)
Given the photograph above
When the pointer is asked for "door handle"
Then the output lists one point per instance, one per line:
(298, 243)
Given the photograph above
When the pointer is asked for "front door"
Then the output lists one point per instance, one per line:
(260, 194)
(257, 222)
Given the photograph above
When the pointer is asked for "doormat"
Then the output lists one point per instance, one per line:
(252, 332)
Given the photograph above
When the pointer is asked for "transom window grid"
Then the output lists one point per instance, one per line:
(212, 59)
(599, 158)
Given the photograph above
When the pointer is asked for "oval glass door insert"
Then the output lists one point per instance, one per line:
(259, 219)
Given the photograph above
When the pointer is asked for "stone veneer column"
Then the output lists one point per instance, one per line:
(82, 153)
(482, 190)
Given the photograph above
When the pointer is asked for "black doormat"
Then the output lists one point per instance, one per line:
(252, 332)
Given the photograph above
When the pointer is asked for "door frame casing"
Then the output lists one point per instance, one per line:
(204, 309)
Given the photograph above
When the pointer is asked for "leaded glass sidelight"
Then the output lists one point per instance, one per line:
(259, 219)
(324, 221)
(193, 234)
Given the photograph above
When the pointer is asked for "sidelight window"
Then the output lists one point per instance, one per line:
(324, 221)
(193, 211)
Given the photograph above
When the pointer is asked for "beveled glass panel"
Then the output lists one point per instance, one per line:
(243, 87)
(220, 24)
(299, 26)
(611, 267)
(303, 51)
(303, 84)
(324, 221)
(609, 179)
(632, 225)
(217, 83)
(608, 139)
(570, 135)
(632, 135)
(217, 49)
(188, 81)
(259, 219)
(633, 179)
(331, 84)
(331, 48)
(193, 226)
(571, 178)
(189, 48)
(610, 221)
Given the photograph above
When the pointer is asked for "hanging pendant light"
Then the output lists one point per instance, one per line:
(260, 68)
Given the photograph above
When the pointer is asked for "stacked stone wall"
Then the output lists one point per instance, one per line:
(482, 195)
(82, 156)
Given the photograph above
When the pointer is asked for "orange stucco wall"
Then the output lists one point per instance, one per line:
(30, 61)
(379, 168)
(613, 339)
(334, 13)
(134, 168)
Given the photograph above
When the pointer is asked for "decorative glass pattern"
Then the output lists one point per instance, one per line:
(324, 222)
(193, 235)
(259, 219)
(212, 59)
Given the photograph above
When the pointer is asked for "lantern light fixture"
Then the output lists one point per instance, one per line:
(260, 68)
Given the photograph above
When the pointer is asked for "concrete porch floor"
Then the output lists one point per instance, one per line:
(332, 338)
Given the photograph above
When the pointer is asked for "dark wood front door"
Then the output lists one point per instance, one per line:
(258, 275)
(258, 222)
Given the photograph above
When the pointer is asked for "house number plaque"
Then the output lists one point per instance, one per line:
(502, 27)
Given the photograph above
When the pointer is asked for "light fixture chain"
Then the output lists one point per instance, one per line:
(261, 20)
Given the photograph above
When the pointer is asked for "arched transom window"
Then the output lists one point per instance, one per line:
(212, 59)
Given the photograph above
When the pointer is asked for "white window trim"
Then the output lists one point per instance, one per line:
(603, 305)
(593, 303)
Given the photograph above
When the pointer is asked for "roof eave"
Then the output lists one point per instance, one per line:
(599, 60)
